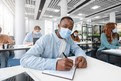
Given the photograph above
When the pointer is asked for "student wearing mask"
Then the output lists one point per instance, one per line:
(46, 51)
(31, 35)
(4, 39)
(109, 40)
(75, 36)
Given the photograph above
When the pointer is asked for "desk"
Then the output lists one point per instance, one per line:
(96, 71)
(4, 57)
(16, 47)
(114, 52)
(84, 43)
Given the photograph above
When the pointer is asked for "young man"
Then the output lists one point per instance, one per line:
(45, 53)
(31, 35)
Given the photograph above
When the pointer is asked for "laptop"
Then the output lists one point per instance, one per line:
(24, 77)
(34, 40)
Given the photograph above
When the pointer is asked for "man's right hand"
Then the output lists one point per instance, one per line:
(64, 64)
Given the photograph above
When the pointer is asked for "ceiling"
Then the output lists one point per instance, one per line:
(39, 9)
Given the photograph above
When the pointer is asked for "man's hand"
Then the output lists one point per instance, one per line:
(64, 64)
(80, 62)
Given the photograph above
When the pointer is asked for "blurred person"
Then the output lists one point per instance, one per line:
(31, 35)
(4, 39)
(75, 36)
(109, 40)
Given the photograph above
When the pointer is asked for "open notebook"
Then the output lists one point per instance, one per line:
(62, 74)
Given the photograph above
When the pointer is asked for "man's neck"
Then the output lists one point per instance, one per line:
(57, 33)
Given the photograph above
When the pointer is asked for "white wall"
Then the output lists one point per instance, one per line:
(30, 24)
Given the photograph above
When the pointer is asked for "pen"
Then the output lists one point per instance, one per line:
(64, 55)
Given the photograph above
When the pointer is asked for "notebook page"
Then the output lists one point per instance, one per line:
(62, 74)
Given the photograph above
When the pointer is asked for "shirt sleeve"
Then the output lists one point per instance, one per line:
(27, 38)
(33, 59)
(77, 50)
(105, 42)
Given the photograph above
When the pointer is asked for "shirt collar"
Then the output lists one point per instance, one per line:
(56, 37)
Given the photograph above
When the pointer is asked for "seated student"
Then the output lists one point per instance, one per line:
(31, 35)
(45, 53)
(75, 36)
(109, 40)
(4, 39)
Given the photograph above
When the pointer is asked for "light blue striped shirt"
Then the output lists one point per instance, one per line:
(44, 54)
(29, 37)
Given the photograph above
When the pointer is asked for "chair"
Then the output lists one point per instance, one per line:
(12, 61)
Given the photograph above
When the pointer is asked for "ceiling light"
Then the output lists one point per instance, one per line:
(56, 10)
(95, 7)
(39, 10)
(80, 14)
(97, 17)
(50, 16)
(68, 14)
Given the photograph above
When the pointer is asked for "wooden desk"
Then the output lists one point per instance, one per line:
(96, 71)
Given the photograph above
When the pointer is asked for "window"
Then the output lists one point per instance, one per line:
(6, 20)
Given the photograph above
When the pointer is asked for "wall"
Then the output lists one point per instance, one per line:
(31, 23)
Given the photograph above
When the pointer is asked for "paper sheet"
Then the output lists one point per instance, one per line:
(62, 74)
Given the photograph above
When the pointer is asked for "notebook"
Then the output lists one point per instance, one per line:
(62, 74)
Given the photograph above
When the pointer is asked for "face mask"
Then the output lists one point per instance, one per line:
(36, 33)
(115, 30)
(65, 32)
(75, 34)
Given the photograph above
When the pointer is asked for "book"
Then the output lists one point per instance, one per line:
(62, 74)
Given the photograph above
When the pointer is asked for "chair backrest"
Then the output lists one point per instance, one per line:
(34, 40)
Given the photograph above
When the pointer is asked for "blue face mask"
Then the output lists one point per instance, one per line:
(114, 30)
(65, 32)
(36, 33)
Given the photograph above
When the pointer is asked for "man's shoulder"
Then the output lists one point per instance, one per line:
(48, 36)
(29, 34)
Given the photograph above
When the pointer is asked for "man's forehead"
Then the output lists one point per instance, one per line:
(67, 21)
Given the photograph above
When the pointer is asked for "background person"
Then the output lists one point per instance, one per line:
(31, 35)
(4, 39)
(75, 36)
(109, 40)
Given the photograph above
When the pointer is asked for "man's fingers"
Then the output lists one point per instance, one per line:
(80, 65)
(85, 65)
(69, 62)
(77, 61)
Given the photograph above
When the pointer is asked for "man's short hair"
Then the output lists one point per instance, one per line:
(67, 17)
(37, 28)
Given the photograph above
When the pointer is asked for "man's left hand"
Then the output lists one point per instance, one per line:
(80, 62)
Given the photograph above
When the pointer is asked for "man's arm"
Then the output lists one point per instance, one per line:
(75, 49)
(28, 39)
(32, 58)
(80, 61)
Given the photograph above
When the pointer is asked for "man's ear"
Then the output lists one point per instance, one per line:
(59, 26)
